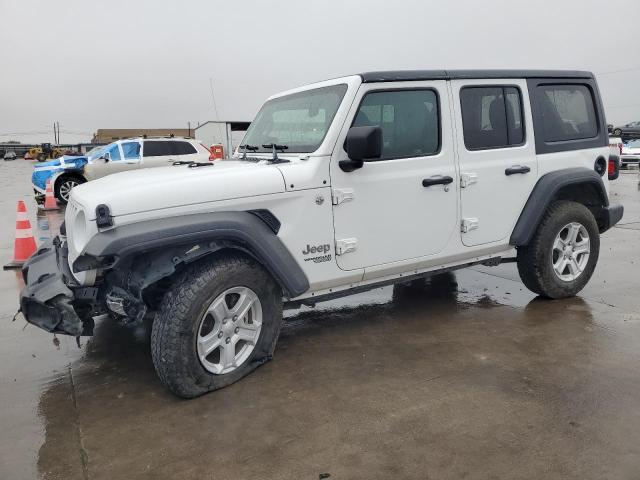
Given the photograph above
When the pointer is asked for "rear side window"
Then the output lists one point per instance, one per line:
(568, 112)
(409, 120)
(182, 148)
(157, 148)
(491, 117)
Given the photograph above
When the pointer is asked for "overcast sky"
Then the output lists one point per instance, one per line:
(134, 63)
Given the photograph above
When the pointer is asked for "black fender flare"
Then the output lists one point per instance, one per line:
(546, 191)
(247, 231)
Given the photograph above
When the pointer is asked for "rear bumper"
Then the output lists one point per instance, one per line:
(611, 215)
(48, 300)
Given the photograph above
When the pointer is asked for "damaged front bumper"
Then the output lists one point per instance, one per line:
(51, 299)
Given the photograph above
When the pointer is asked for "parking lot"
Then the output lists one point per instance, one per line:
(473, 377)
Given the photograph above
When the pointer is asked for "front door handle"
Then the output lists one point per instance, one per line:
(522, 169)
(437, 180)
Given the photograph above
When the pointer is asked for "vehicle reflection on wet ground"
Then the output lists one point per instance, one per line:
(466, 375)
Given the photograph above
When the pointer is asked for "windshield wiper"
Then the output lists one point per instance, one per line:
(246, 147)
(274, 150)
(193, 164)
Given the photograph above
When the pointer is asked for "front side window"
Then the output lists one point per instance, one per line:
(298, 121)
(114, 152)
(131, 150)
(409, 120)
(491, 117)
(568, 112)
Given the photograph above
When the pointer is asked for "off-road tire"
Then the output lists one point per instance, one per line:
(175, 327)
(535, 259)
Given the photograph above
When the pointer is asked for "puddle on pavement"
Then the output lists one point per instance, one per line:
(47, 374)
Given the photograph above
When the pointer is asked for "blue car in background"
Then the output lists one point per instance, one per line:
(67, 172)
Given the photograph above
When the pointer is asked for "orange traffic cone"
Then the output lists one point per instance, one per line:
(49, 200)
(25, 244)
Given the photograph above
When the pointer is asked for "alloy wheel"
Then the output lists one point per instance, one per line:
(570, 251)
(66, 187)
(229, 330)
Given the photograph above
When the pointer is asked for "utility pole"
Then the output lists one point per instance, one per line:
(54, 133)
(189, 125)
(58, 123)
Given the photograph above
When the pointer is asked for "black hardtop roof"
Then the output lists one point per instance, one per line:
(414, 75)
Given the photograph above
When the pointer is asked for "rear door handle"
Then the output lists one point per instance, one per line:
(437, 180)
(517, 169)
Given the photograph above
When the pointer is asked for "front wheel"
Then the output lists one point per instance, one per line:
(219, 321)
(64, 186)
(617, 132)
(561, 257)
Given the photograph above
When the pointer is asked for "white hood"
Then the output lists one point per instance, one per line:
(165, 187)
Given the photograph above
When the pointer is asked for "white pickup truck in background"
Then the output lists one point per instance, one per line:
(630, 153)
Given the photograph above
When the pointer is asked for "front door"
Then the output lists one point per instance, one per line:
(496, 152)
(402, 206)
(112, 161)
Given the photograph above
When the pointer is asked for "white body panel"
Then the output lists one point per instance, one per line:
(400, 227)
(392, 216)
(494, 200)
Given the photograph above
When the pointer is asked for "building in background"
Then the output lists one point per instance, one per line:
(226, 133)
(108, 135)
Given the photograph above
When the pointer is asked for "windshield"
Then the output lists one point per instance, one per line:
(633, 144)
(299, 121)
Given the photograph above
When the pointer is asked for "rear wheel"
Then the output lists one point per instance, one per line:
(64, 185)
(561, 257)
(219, 321)
(617, 132)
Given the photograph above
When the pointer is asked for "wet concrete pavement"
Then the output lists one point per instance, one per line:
(468, 377)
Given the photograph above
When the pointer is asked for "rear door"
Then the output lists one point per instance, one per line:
(496, 151)
(384, 212)
(158, 153)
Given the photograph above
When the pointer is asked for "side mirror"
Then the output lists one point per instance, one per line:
(361, 144)
(105, 158)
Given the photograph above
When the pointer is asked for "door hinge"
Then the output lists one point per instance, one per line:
(346, 245)
(339, 195)
(467, 179)
(469, 224)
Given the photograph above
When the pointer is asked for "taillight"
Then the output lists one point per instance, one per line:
(613, 168)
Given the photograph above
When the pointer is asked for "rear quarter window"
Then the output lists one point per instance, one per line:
(183, 148)
(568, 112)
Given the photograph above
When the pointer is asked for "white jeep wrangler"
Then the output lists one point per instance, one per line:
(339, 187)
